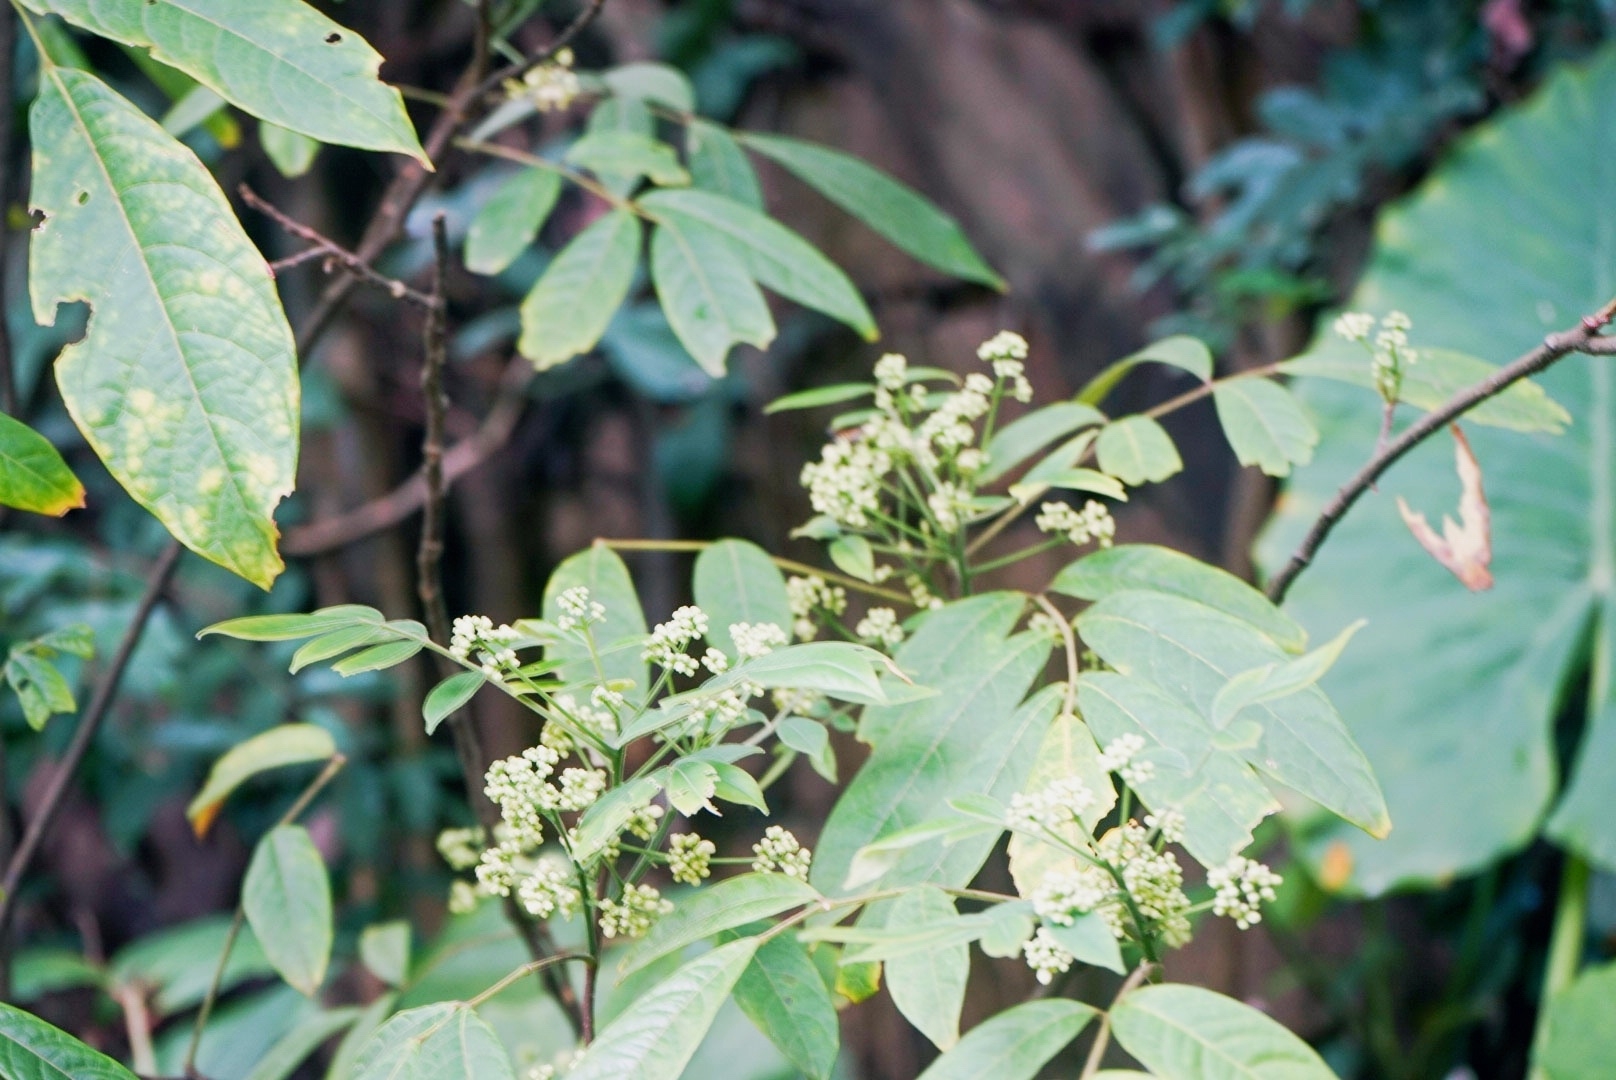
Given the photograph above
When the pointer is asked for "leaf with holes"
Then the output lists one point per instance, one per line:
(185, 382)
(280, 60)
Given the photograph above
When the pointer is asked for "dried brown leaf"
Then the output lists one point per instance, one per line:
(1465, 548)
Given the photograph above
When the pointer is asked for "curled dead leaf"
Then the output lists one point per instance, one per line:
(1465, 548)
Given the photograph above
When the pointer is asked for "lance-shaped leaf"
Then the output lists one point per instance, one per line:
(1466, 548)
(287, 898)
(1265, 425)
(280, 60)
(288, 744)
(727, 904)
(619, 636)
(707, 293)
(1180, 351)
(568, 308)
(31, 1049)
(510, 220)
(1179, 1030)
(1014, 1045)
(718, 164)
(893, 209)
(185, 382)
(33, 475)
(443, 1041)
(782, 992)
(928, 985)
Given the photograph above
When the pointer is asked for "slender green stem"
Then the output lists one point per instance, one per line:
(1024, 553)
(529, 968)
(1565, 946)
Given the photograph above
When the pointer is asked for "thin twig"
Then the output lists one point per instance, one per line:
(333, 766)
(8, 378)
(1102, 1038)
(83, 738)
(397, 505)
(335, 253)
(580, 22)
(1582, 338)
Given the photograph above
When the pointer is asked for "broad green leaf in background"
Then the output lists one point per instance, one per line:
(287, 897)
(1180, 351)
(568, 308)
(1147, 566)
(782, 992)
(31, 1049)
(1015, 1044)
(1437, 376)
(972, 736)
(180, 963)
(1190, 651)
(1278, 679)
(1026, 435)
(291, 153)
(735, 581)
(305, 1037)
(714, 908)
(599, 569)
(777, 257)
(629, 155)
(1575, 1042)
(510, 220)
(444, 1041)
(710, 299)
(286, 744)
(280, 60)
(928, 986)
(385, 950)
(1265, 425)
(853, 555)
(1136, 449)
(1176, 1030)
(718, 164)
(185, 382)
(1454, 695)
(654, 83)
(656, 1038)
(894, 210)
(33, 476)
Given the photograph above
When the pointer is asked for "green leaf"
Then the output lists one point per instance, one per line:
(185, 382)
(1015, 1044)
(280, 60)
(304, 1038)
(338, 642)
(715, 908)
(1136, 449)
(568, 308)
(293, 627)
(41, 688)
(928, 986)
(819, 395)
(601, 571)
(1265, 425)
(291, 153)
(873, 860)
(444, 1041)
(287, 898)
(657, 84)
(627, 154)
(707, 293)
(1190, 651)
(31, 1049)
(1179, 1030)
(180, 963)
(736, 582)
(287, 744)
(973, 735)
(894, 210)
(718, 164)
(1147, 566)
(41, 971)
(777, 257)
(1456, 697)
(853, 555)
(33, 476)
(510, 220)
(735, 785)
(449, 695)
(689, 785)
(840, 669)
(384, 948)
(1009, 927)
(1220, 795)
(1574, 1042)
(782, 992)
(1026, 435)
(657, 1036)
(1279, 679)
(1437, 376)
(1180, 351)
(1089, 480)
(604, 820)
(1068, 749)
(1090, 940)
(810, 738)
(377, 658)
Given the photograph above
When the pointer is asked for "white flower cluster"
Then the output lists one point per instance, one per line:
(949, 428)
(845, 483)
(577, 609)
(633, 914)
(753, 640)
(779, 852)
(1239, 888)
(1390, 352)
(461, 848)
(492, 644)
(690, 858)
(880, 627)
(1093, 522)
(921, 593)
(668, 641)
(1169, 824)
(950, 505)
(548, 890)
(1057, 803)
(1133, 886)
(1046, 956)
(891, 372)
(551, 86)
(809, 595)
(1121, 757)
(1006, 351)
(598, 717)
